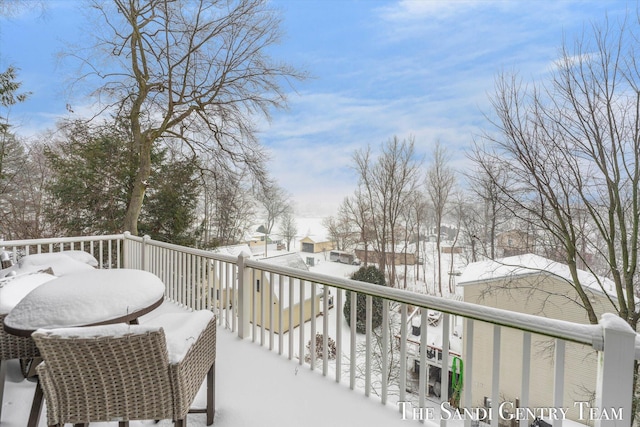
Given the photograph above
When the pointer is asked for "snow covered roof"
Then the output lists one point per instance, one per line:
(234, 250)
(292, 260)
(316, 238)
(529, 264)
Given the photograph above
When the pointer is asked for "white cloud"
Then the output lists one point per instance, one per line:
(312, 146)
(417, 68)
(412, 10)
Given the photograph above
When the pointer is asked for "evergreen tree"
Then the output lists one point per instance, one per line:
(169, 210)
(91, 175)
(369, 274)
(93, 169)
(9, 95)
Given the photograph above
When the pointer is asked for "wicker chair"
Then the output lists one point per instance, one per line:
(128, 372)
(13, 347)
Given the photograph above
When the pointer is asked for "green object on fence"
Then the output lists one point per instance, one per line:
(457, 372)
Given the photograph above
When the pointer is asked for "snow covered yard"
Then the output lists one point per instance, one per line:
(253, 387)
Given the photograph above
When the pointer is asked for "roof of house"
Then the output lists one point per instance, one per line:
(315, 238)
(526, 265)
(234, 250)
(293, 260)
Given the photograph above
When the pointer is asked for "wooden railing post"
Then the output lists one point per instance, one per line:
(244, 296)
(614, 387)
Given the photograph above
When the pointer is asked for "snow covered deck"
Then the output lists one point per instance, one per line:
(254, 387)
(257, 386)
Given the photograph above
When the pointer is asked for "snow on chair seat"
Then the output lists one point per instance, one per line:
(123, 372)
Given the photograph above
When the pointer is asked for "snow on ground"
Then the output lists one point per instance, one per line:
(254, 387)
(309, 226)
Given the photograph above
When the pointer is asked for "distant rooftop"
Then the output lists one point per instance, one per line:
(293, 260)
(529, 264)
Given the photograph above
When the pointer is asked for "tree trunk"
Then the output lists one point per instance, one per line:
(139, 188)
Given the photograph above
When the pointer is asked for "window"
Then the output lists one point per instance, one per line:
(258, 285)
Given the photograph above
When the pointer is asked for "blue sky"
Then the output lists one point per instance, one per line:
(379, 68)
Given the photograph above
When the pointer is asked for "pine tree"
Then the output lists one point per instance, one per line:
(93, 169)
(169, 210)
(369, 274)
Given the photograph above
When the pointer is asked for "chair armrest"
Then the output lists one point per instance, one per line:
(187, 376)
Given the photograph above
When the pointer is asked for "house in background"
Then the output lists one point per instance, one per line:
(534, 285)
(401, 255)
(314, 244)
(515, 242)
(255, 238)
(225, 294)
(268, 292)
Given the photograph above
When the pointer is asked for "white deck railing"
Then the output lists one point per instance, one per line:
(239, 290)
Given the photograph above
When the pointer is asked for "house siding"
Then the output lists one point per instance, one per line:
(262, 299)
(541, 295)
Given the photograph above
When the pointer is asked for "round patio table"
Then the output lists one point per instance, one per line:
(88, 298)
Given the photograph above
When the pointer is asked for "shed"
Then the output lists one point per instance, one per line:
(314, 244)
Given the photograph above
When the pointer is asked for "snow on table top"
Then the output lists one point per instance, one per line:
(86, 298)
(17, 287)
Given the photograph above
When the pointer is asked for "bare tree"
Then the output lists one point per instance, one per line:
(288, 227)
(276, 203)
(572, 148)
(197, 71)
(471, 226)
(19, 173)
(386, 184)
(412, 221)
(485, 184)
(420, 213)
(458, 214)
(27, 218)
(385, 360)
(440, 183)
(340, 229)
(227, 206)
(356, 211)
